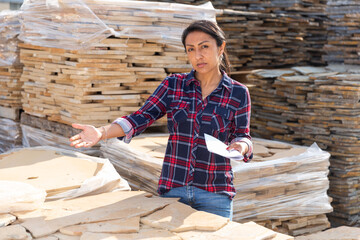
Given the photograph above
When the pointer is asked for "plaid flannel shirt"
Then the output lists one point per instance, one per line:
(224, 114)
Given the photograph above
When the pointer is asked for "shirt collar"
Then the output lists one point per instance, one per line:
(225, 80)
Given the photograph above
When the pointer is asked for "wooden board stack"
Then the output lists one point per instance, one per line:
(307, 104)
(343, 32)
(273, 190)
(119, 214)
(111, 78)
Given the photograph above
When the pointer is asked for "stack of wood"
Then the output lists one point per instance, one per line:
(10, 68)
(111, 78)
(100, 215)
(283, 188)
(343, 32)
(307, 104)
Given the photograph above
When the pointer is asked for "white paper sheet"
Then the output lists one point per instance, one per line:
(216, 146)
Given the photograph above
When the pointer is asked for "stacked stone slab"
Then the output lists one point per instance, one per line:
(343, 29)
(265, 34)
(294, 31)
(305, 105)
(283, 188)
(110, 77)
(10, 85)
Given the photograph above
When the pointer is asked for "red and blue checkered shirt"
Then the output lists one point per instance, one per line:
(224, 114)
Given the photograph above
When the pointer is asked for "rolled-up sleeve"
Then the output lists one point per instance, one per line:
(241, 131)
(153, 109)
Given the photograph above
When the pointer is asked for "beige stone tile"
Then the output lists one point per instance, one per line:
(14, 232)
(148, 234)
(232, 231)
(339, 233)
(6, 219)
(128, 225)
(178, 217)
(107, 206)
(46, 169)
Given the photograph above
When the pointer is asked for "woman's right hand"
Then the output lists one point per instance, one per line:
(87, 138)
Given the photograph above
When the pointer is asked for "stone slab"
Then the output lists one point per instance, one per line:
(186, 219)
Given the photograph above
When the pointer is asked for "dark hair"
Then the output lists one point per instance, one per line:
(214, 31)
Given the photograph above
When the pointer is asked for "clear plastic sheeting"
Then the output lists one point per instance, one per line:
(18, 197)
(283, 181)
(10, 135)
(286, 187)
(75, 25)
(140, 169)
(9, 30)
(106, 179)
(154, 21)
(33, 137)
(67, 24)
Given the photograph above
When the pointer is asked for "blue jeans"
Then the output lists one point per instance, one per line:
(203, 200)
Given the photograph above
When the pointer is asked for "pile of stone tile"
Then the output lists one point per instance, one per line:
(109, 78)
(343, 29)
(102, 213)
(275, 33)
(307, 104)
(283, 188)
(10, 68)
(10, 84)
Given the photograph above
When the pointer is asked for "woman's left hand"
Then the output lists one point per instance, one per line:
(242, 147)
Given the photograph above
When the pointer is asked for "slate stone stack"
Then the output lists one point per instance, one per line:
(304, 105)
(294, 33)
(272, 33)
(343, 28)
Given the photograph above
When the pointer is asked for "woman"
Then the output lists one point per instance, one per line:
(203, 101)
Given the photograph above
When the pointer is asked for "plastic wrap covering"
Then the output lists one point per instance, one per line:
(76, 24)
(10, 134)
(9, 30)
(286, 187)
(67, 24)
(140, 169)
(104, 179)
(285, 181)
(18, 196)
(162, 22)
(33, 137)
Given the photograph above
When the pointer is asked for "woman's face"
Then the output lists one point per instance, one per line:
(202, 51)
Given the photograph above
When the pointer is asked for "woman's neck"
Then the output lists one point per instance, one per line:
(208, 82)
(209, 79)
